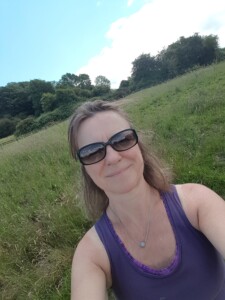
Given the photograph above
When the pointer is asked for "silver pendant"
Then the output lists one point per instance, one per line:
(142, 244)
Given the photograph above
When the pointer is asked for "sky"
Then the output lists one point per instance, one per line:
(46, 39)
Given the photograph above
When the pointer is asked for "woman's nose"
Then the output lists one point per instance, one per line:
(112, 156)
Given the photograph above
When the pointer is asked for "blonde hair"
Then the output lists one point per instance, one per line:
(95, 199)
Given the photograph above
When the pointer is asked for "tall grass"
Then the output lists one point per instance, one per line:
(41, 218)
(41, 221)
(187, 116)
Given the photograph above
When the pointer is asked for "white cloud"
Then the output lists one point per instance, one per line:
(130, 2)
(156, 25)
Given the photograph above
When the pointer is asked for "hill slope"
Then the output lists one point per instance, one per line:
(41, 220)
(187, 116)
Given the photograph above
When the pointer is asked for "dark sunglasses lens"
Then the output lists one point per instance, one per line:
(124, 140)
(91, 154)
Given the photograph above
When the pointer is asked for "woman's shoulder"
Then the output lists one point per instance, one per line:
(90, 250)
(191, 187)
(90, 268)
(90, 244)
(188, 194)
(194, 192)
(195, 198)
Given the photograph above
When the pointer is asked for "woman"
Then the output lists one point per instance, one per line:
(152, 240)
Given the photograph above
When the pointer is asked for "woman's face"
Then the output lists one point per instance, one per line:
(118, 172)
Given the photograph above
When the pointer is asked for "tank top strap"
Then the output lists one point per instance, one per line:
(103, 230)
(174, 208)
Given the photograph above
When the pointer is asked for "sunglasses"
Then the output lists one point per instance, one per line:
(121, 141)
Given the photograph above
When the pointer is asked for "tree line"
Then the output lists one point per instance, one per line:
(185, 55)
(31, 105)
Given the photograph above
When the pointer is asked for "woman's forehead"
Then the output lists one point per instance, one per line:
(100, 127)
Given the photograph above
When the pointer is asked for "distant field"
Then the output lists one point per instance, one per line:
(41, 217)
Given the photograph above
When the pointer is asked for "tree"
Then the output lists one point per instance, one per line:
(5, 102)
(65, 96)
(36, 89)
(124, 84)
(7, 127)
(211, 49)
(25, 126)
(14, 99)
(84, 81)
(69, 80)
(102, 86)
(48, 102)
(145, 71)
(102, 81)
(186, 53)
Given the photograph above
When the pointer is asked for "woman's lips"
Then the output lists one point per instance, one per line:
(117, 172)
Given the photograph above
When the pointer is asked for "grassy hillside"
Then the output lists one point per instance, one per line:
(186, 121)
(41, 220)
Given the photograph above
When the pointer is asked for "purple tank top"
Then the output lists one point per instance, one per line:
(197, 271)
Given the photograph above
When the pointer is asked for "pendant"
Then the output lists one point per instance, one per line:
(142, 244)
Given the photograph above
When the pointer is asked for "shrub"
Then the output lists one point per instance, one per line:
(84, 93)
(65, 96)
(7, 127)
(48, 102)
(59, 114)
(25, 126)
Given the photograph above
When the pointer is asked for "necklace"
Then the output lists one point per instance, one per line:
(141, 243)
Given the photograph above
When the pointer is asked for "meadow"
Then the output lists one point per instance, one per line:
(42, 220)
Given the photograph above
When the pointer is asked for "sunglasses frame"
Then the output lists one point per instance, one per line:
(108, 143)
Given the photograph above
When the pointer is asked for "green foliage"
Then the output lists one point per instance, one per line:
(46, 119)
(102, 86)
(7, 127)
(14, 99)
(48, 102)
(100, 91)
(102, 81)
(220, 56)
(41, 209)
(35, 97)
(41, 219)
(71, 80)
(65, 96)
(179, 57)
(124, 84)
(84, 93)
(68, 80)
(25, 126)
(84, 81)
(52, 117)
(145, 71)
(185, 118)
(36, 89)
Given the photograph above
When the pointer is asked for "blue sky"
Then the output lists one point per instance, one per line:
(45, 39)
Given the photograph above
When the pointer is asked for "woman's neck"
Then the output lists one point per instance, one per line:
(134, 204)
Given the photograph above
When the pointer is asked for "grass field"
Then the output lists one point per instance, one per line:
(41, 216)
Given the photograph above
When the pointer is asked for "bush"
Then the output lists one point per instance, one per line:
(84, 93)
(25, 126)
(7, 127)
(48, 102)
(59, 114)
(65, 96)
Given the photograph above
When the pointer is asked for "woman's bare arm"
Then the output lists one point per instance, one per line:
(89, 279)
(210, 213)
